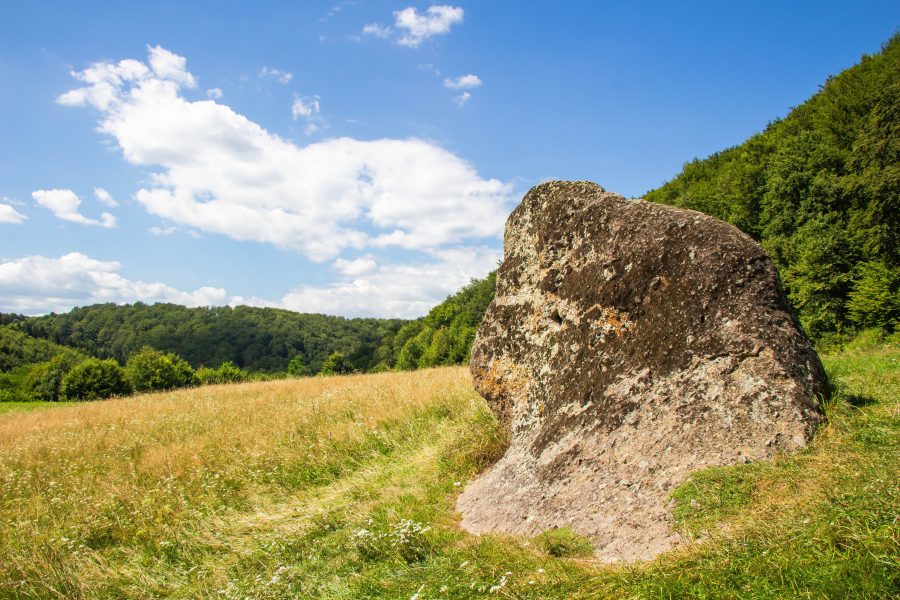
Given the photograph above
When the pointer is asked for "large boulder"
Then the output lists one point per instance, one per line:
(629, 344)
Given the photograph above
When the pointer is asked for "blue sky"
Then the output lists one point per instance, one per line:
(359, 158)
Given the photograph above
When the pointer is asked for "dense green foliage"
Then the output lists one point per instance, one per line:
(820, 189)
(297, 367)
(166, 342)
(149, 370)
(336, 364)
(94, 379)
(254, 339)
(444, 336)
(18, 349)
(227, 372)
(32, 369)
(44, 380)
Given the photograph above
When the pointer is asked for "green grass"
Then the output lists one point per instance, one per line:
(18, 407)
(234, 492)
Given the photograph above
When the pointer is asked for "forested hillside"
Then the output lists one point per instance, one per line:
(255, 339)
(442, 337)
(18, 349)
(821, 190)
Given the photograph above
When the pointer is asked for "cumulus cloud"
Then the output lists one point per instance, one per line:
(170, 66)
(64, 204)
(105, 197)
(396, 290)
(8, 214)
(377, 30)
(36, 285)
(462, 82)
(219, 172)
(307, 108)
(214, 170)
(360, 266)
(462, 99)
(281, 76)
(417, 27)
(214, 93)
(414, 27)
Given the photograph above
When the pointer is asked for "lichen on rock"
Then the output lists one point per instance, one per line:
(628, 344)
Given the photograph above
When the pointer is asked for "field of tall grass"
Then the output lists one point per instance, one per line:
(344, 487)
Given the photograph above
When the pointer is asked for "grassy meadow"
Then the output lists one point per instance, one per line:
(343, 487)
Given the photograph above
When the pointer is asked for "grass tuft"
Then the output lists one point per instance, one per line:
(564, 543)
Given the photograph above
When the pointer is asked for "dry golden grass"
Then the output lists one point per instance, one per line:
(88, 487)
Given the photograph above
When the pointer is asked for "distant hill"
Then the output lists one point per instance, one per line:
(255, 339)
(821, 190)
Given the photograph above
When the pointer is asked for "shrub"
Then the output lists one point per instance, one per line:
(297, 368)
(206, 376)
(11, 394)
(148, 370)
(227, 372)
(44, 381)
(336, 364)
(413, 349)
(94, 379)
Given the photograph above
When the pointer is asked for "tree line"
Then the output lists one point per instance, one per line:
(48, 372)
(255, 339)
(108, 350)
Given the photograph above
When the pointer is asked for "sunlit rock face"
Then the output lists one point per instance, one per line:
(629, 344)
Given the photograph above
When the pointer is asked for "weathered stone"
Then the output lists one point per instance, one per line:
(629, 344)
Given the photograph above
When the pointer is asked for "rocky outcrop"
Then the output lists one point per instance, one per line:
(629, 344)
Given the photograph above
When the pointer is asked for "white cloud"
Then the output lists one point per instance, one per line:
(281, 76)
(377, 30)
(462, 99)
(417, 28)
(8, 214)
(360, 266)
(217, 171)
(64, 204)
(462, 82)
(168, 65)
(105, 197)
(308, 108)
(394, 290)
(214, 93)
(162, 231)
(305, 107)
(36, 284)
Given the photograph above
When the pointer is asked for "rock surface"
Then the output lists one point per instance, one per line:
(629, 344)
